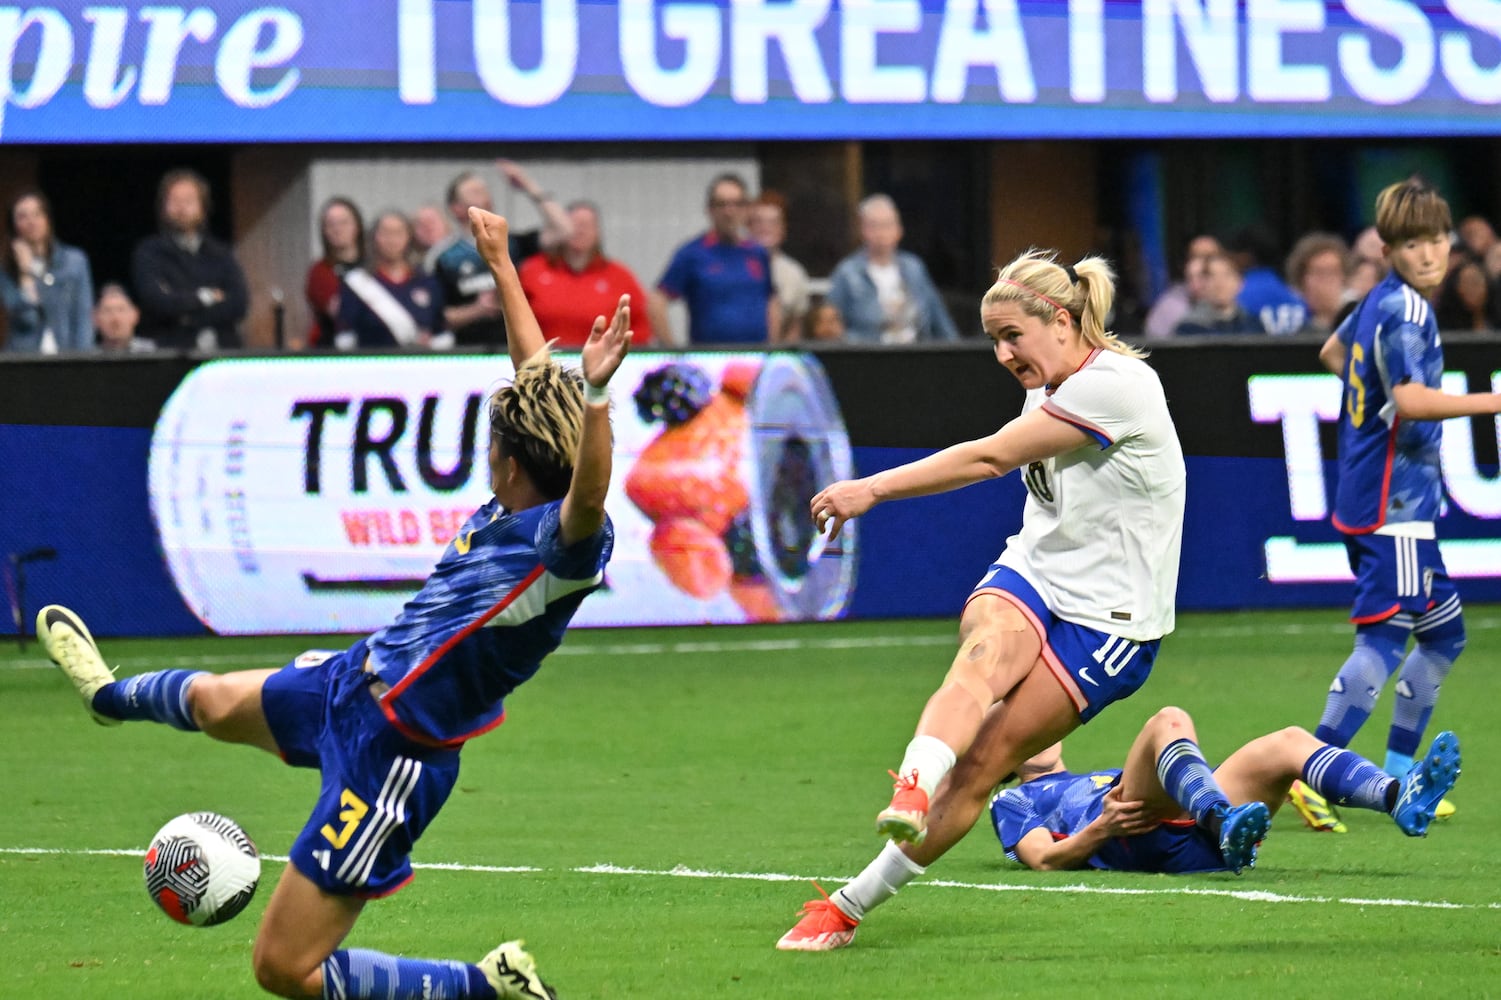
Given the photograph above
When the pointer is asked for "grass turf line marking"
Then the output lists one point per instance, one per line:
(683, 871)
(898, 641)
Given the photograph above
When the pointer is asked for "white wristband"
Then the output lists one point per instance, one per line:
(595, 395)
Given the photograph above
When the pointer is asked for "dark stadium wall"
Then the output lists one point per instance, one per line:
(75, 436)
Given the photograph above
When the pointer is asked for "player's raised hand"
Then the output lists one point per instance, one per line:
(492, 235)
(608, 344)
(838, 503)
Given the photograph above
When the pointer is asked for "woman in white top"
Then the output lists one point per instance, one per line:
(1069, 617)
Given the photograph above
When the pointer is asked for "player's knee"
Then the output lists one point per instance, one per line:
(1173, 722)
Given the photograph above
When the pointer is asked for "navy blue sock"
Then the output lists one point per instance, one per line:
(160, 696)
(359, 974)
(1188, 778)
(1348, 779)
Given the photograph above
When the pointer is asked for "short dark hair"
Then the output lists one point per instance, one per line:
(458, 182)
(180, 175)
(728, 177)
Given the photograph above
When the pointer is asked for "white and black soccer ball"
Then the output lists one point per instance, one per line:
(202, 869)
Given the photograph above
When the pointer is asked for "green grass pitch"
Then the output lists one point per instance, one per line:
(669, 789)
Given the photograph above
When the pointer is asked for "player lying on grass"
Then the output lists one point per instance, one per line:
(1167, 811)
(384, 721)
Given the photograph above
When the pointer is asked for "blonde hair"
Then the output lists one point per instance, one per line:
(538, 419)
(1042, 286)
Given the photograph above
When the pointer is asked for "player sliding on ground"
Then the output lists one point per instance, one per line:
(1164, 810)
(385, 720)
(1070, 616)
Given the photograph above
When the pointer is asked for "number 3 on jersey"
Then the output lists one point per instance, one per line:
(352, 809)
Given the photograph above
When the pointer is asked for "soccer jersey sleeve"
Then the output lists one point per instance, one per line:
(1013, 817)
(579, 561)
(1100, 402)
(1401, 347)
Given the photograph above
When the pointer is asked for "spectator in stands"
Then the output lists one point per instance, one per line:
(575, 283)
(390, 303)
(1172, 305)
(768, 227)
(723, 278)
(1492, 262)
(1317, 269)
(47, 286)
(1368, 247)
(1220, 311)
(190, 287)
(432, 234)
(884, 293)
(1263, 293)
(1477, 236)
(1467, 300)
(824, 324)
(342, 230)
(472, 310)
(115, 319)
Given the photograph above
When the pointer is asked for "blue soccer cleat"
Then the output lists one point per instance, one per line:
(1425, 784)
(1243, 829)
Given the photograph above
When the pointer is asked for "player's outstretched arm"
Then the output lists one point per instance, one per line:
(1416, 401)
(1031, 437)
(583, 510)
(492, 235)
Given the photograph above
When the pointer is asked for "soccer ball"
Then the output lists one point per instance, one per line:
(202, 869)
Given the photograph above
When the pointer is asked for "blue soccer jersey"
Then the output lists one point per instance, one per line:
(1062, 804)
(1388, 467)
(497, 603)
(726, 287)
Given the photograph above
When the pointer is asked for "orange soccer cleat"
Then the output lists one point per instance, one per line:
(823, 927)
(907, 816)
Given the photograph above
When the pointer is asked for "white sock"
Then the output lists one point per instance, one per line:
(880, 880)
(931, 758)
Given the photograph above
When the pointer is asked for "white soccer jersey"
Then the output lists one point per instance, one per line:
(1102, 526)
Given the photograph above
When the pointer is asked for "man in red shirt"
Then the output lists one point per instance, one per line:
(567, 289)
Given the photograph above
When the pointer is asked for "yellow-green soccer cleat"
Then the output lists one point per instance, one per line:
(512, 973)
(1444, 809)
(69, 645)
(1316, 811)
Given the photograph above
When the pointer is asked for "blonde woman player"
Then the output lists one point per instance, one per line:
(1069, 617)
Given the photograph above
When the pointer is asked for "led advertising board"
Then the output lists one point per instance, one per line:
(456, 70)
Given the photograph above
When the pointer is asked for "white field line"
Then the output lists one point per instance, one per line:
(682, 871)
(133, 664)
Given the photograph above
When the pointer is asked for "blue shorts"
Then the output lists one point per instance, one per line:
(379, 791)
(1095, 668)
(1394, 574)
(1180, 847)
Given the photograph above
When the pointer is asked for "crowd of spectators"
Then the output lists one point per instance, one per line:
(414, 280)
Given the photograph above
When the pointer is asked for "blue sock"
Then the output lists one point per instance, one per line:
(160, 696)
(1398, 764)
(1187, 777)
(1346, 778)
(1441, 638)
(1352, 696)
(358, 974)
